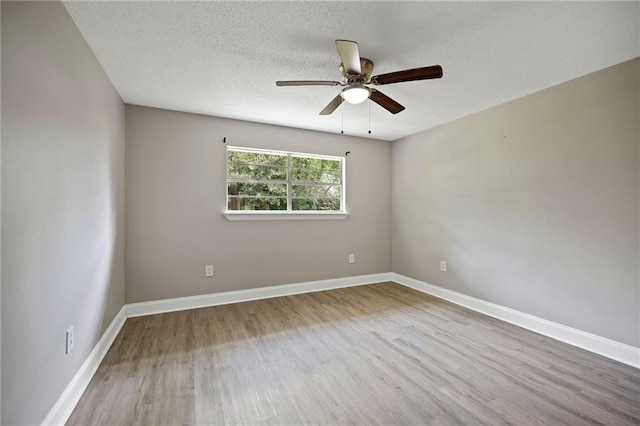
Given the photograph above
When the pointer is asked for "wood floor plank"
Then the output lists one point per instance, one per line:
(374, 354)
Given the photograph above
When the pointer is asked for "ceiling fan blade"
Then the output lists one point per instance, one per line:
(349, 55)
(308, 83)
(333, 105)
(425, 73)
(385, 102)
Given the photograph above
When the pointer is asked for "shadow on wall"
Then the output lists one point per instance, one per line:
(99, 259)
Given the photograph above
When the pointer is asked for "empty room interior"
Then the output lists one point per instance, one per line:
(319, 213)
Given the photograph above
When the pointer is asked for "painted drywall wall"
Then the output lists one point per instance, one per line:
(534, 204)
(0, 225)
(62, 205)
(175, 195)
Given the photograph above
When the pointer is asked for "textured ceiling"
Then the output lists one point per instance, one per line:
(222, 58)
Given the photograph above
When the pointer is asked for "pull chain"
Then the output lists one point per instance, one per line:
(369, 116)
(342, 125)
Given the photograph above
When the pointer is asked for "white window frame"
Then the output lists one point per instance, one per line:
(286, 214)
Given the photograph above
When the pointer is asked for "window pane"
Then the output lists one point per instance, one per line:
(316, 175)
(316, 191)
(256, 172)
(257, 189)
(315, 163)
(256, 158)
(315, 204)
(256, 203)
(274, 180)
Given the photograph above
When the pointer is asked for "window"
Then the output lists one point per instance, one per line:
(287, 182)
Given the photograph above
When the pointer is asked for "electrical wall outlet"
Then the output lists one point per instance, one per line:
(443, 266)
(208, 270)
(352, 258)
(69, 340)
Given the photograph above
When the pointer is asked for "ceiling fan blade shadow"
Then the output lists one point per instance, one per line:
(424, 73)
(308, 83)
(385, 102)
(333, 105)
(349, 55)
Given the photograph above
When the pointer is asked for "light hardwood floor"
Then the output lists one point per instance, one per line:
(375, 354)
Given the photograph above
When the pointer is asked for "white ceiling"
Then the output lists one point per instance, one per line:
(222, 58)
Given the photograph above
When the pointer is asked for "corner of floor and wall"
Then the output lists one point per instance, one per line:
(533, 204)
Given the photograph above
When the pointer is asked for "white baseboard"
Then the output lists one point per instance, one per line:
(64, 406)
(213, 299)
(617, 351)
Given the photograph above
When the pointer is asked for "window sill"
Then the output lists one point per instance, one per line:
(258, 215)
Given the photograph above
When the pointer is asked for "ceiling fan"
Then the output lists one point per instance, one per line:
(356, 76)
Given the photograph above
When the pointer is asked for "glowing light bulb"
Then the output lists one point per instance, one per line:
(355, 94)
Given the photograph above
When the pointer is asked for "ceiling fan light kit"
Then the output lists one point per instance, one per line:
(355, 94)
(356, 76)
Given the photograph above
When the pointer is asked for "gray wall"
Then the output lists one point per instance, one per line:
(175, 195)
(534, 204)
(0, 232)
(62, 205)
